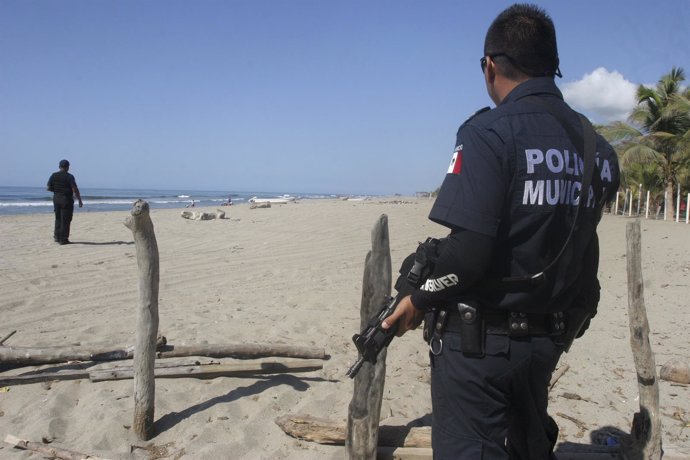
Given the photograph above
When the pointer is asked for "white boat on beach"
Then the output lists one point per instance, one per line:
(284, 199)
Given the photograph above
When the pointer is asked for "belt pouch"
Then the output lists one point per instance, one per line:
(429, 322)
(472, 333)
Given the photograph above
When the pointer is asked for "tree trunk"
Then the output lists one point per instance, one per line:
(147, 318)
(365, 406)
(669, 204)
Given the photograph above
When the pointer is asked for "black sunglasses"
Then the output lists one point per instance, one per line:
(482, 61)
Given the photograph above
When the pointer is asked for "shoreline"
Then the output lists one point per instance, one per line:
(97, 207)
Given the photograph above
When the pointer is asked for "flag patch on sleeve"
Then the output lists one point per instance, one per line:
(456, 163)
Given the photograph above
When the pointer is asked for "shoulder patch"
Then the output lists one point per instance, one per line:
(456, 162)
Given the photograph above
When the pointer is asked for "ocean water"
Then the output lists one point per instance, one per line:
(29, 200)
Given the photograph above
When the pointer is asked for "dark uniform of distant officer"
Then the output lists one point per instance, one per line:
(510, 199)
(64, 188)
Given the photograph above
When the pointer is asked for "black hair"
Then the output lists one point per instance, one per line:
(522, 41)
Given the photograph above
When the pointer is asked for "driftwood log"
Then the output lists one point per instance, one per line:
(4, 339)
(409, 443)
(201, 371)
(646, 426)
(365, 407)
(47, 450)
(51, 375)
(209, 371)
(139, 222)
(53, 355)
(324, 431)
(243, 351)
(558, 373)
(200, 215)
(675, 370)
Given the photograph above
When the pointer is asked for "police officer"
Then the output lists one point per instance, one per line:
(64, 188)
(511, 199)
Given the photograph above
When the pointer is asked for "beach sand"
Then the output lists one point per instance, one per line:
(289, 275)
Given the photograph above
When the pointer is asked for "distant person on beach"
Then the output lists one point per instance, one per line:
(64, 188)
(516, 280)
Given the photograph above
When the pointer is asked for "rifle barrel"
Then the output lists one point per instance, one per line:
(355, 368)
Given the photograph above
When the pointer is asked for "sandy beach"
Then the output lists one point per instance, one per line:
(290, 275)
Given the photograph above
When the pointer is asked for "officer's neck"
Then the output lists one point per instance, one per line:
(501, 86)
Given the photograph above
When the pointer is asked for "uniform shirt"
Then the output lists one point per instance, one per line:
(61, 183)
(515, 176)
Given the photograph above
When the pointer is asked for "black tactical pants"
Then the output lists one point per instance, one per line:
(494, 407)
(64, 209)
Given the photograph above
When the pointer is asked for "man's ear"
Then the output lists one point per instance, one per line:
(490, 70)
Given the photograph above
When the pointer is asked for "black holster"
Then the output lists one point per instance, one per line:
(462, 318)
(429, 321)
(472, 330)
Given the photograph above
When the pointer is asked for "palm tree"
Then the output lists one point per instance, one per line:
(658, 132)
(644, 176)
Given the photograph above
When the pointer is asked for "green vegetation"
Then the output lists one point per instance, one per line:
(654, 146)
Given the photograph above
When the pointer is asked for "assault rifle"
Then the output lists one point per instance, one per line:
(414, 271)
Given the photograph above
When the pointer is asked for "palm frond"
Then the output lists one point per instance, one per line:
(639, 153)
(618, 132)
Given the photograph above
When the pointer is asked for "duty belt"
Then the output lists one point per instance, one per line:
(513, 324)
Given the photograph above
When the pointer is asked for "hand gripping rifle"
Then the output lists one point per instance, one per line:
(414, 271)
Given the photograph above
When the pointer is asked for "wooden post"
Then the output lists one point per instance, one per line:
(678, 205)
(147, 318)
(365, 406)
(646, 426)
(687, 209)
(615, 212)
(639, 200)
(646, 207)
(665, 204)
(625, 202)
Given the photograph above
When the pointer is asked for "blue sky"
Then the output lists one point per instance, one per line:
(287, 96)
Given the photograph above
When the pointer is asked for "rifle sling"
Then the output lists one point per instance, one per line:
(585, 143)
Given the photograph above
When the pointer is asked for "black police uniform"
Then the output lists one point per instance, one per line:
(61, 183)
(515, 177)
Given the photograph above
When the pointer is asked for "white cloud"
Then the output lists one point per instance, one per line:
(602, 95)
